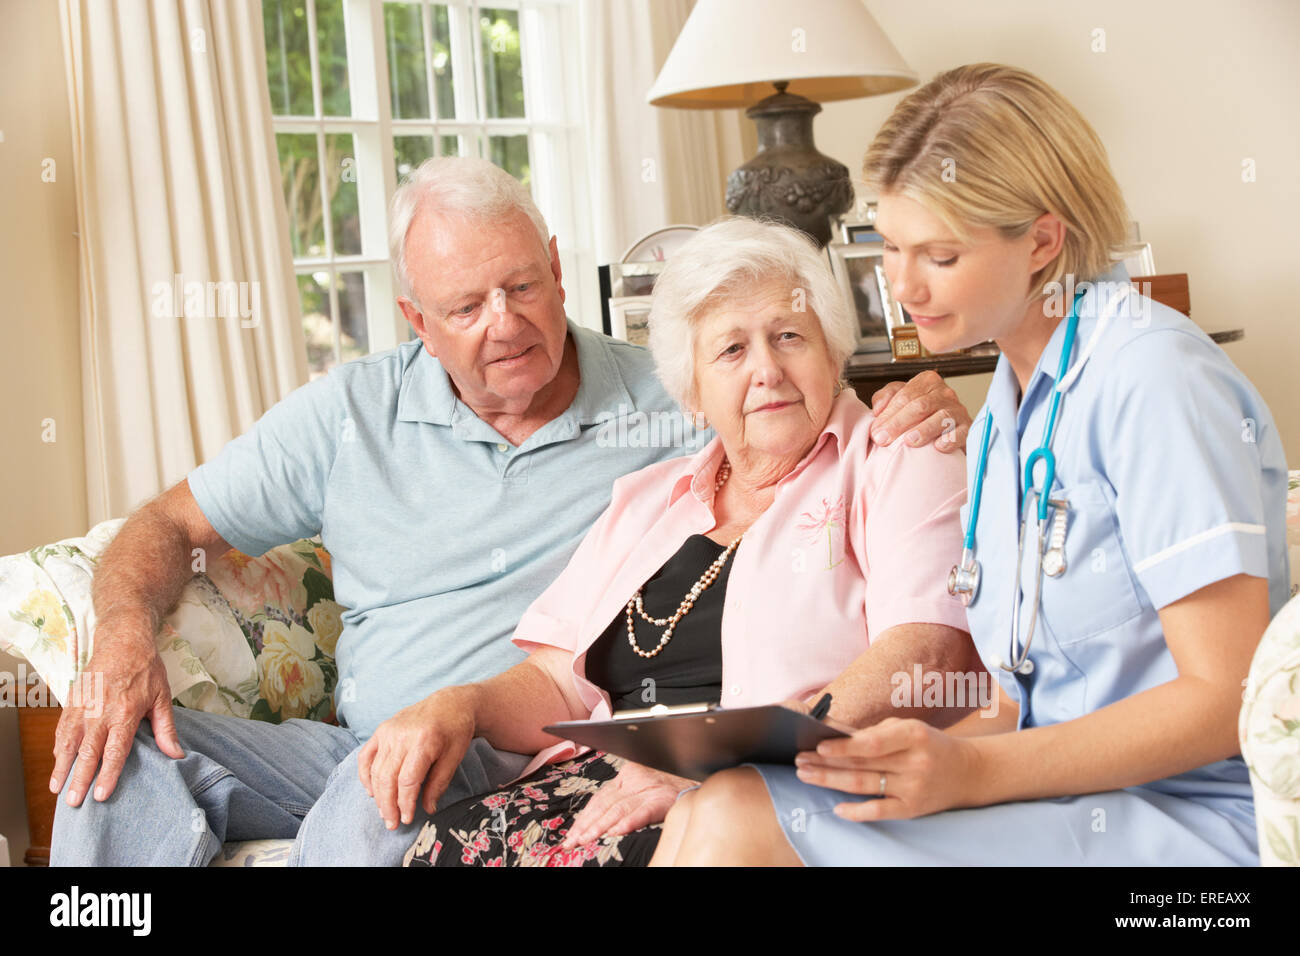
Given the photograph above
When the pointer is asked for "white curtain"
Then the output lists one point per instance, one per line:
(177, 176)
(649, 166)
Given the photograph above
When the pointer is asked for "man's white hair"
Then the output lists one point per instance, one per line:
(732, 258)
(460, 187)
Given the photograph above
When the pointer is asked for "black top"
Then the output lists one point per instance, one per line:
(689, 669)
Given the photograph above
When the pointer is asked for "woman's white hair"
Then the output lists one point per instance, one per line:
(461, 187)
(732, 258)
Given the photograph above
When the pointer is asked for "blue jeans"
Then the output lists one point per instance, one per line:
(248, 780)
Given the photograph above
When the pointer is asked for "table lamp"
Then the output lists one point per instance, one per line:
(732, 53)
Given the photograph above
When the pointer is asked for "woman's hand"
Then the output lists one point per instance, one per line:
(636, 798)
(925, 770)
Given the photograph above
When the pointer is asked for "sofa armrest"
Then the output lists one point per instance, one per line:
(251, 637)
(1269, 732)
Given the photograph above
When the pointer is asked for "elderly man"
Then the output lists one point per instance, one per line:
(451, 480)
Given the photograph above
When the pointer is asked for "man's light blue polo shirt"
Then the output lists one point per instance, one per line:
(440, 531)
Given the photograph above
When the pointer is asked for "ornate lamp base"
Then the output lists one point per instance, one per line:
(788, 179)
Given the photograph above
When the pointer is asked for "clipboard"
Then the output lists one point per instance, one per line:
(695, 745)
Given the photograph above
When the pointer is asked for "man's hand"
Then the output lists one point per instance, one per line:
(636, 798)
(124, 681)
(414, 754)
(924, 409)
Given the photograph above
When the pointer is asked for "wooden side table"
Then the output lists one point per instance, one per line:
(868, 372)
(36, 726)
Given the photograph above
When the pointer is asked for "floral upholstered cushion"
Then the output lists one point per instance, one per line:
(251, 637)
(1269, 729)
(1269, 732)
(254, 853)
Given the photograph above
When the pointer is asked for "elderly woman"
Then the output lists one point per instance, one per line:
(791, 556)
(1122, 650)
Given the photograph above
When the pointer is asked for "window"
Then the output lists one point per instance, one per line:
(363, 91)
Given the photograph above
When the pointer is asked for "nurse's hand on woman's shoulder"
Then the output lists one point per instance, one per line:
(925, 770)
(921, 410)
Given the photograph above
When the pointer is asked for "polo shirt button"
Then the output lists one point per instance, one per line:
(735, 690)
(503, 448)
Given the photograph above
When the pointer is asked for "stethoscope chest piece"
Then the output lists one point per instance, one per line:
(964, 579)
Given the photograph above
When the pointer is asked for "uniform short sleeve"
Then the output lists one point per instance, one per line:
(912, 536)
(1181, 438)
(267, 486)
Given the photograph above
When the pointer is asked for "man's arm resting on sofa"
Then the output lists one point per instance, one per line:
(138, 581)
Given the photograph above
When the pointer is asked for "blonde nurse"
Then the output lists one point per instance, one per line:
(1163, 556)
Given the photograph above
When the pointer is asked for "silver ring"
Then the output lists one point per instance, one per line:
(882, 784)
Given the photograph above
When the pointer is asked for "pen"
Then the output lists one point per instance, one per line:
(821, 708)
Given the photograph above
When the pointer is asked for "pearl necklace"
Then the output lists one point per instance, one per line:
(699, 587)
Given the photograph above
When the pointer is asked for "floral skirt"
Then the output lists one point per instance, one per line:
(524, 824)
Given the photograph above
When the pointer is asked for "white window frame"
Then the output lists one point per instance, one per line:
(548, 32)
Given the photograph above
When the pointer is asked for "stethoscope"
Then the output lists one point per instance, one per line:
(964, 578)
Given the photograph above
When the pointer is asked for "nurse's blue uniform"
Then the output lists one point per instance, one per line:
(1176, 478)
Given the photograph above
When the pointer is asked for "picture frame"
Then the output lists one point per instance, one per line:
(1141, 261)
(629, 318)
(859, 269)
(860, 228)
(854, 232)
(624, 280)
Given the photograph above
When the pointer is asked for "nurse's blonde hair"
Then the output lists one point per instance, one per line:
(987, 145)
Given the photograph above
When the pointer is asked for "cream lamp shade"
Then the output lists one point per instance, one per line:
(779, 59)
(731, 52)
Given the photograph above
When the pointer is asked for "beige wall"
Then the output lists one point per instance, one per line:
(1184, 92)
(42, 485)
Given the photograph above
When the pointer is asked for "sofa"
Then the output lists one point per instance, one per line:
(250, 637)
(255, 637)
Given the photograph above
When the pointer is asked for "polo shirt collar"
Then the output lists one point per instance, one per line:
(601, 390)
(426, 395)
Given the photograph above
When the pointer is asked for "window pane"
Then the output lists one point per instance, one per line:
(443, 80)
(300, 178)
(341, 185)
(288, 62)
(408, 81)
(317, 326)
(503, 79)
(332, 49)
(354, 338)
(409, 152)
(511, 154)
(450, 145)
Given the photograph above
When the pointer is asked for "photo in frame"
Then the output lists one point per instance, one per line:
(860, 271)
(629, 317)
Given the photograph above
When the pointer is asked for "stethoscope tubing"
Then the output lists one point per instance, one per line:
(968, 589)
